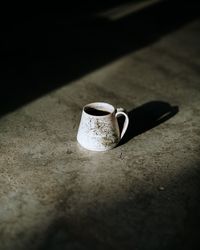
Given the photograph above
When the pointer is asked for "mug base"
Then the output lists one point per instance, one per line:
(97, 149)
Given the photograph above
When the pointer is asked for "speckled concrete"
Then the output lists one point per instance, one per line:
(144, 194)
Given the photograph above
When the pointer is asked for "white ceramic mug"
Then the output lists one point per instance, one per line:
(99, 129)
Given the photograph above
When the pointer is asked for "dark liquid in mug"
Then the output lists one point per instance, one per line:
(96, 112)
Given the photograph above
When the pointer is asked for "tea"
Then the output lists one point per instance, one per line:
(96, 112)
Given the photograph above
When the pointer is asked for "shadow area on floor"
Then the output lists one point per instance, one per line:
(146, 117)
(44, 50)
(146, 218)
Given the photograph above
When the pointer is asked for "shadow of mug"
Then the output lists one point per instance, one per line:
(146, 117)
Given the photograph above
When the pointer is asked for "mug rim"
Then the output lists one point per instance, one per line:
(94, 104)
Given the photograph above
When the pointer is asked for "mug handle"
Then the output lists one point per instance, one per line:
(121, 111)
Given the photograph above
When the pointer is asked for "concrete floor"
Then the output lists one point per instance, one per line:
(144, 194)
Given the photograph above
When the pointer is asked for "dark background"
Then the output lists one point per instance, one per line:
(44, 47)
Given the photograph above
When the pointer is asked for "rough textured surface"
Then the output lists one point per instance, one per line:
(144, 194)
